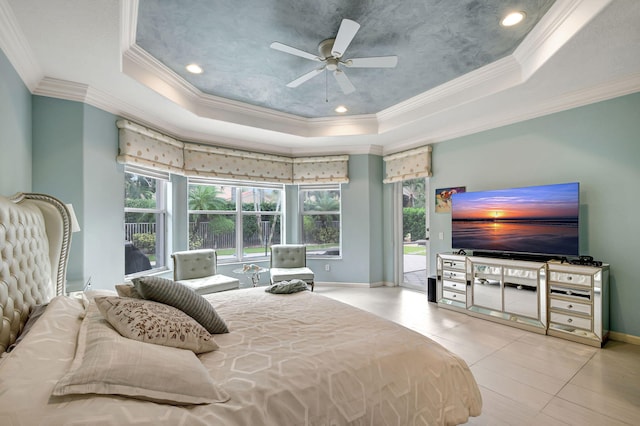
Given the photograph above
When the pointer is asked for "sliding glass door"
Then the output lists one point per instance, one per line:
(415, 233)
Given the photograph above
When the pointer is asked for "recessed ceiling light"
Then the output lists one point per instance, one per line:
(512, 19)
(194, 68)
(341, 109)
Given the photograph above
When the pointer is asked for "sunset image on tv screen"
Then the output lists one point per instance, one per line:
(537, 219)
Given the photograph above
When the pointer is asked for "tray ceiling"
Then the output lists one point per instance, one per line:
(435, 41)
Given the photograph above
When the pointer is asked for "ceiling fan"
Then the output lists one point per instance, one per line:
(331, 51)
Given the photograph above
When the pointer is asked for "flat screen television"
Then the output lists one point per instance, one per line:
(535, 220)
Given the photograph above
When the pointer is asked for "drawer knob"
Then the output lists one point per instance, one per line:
(454, 296)
(453, 285)
(570, 306)
(569, 277)
(570, 320)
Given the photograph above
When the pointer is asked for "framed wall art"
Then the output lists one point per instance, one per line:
(443, 198)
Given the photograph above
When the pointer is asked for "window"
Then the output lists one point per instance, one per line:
(239, 222)
(320, 210)
(145, 212)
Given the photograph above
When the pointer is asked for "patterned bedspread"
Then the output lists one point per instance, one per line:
(290, 359)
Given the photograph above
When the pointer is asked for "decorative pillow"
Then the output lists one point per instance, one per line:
(181, 297)
(287, 287)
(128, 290)
(107, 363)
(153, 322)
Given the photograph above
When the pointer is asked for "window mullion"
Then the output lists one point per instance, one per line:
(239, 232)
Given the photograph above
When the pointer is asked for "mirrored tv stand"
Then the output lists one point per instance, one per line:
(546, 297)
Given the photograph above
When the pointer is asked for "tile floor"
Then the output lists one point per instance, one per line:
(525, 378)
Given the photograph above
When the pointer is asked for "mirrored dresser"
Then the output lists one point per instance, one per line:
(559, 299)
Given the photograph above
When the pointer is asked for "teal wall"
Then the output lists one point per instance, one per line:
(15, 131)
(58, 163)
(103, 200)
(597, 145)
(74, 151)
(362, 225)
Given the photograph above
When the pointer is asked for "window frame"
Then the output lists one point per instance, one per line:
(239, 213)
(162, 219)
(302, 189)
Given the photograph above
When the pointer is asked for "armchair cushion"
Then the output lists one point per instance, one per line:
(194, 264)
(287, 274)
(211, 284)
(196, 269)
(288, 256)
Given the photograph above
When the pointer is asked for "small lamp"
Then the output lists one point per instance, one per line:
(75, 226)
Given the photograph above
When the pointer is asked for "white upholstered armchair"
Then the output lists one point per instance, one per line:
(289, 261)
(197, 269)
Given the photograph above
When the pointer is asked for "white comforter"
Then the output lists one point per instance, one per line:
(296, 359)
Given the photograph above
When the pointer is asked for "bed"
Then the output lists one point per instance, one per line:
(287, 359)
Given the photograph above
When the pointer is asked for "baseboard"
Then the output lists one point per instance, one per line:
(341, 284)
(626, 338)
(361, 285)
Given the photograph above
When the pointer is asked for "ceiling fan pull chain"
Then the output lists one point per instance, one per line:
(326, 87)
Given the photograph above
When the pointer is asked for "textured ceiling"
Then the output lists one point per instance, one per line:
(435, 41)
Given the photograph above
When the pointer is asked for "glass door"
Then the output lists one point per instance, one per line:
(415, 234)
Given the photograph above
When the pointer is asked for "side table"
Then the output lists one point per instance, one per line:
(253, 273)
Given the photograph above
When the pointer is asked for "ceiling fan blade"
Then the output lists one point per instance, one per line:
(373, 62)
(293, 51)
(344, 82)
(346, 33)
(304, 77)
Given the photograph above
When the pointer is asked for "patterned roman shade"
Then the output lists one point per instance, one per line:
(141, 146)
(328, 169)
(225, 163)
(411, 164)
(146, 148)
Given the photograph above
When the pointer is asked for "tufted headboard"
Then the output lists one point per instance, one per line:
(35, 235)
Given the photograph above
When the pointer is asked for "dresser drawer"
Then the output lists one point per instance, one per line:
(569, 278)
(583, 295)
(459, 265)
(454, 275)
(571, 320)
(570, 306)
(453, 285)
(451, 295)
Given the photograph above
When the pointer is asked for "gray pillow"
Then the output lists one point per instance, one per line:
(181, 297)
(128, 290)
(287, 287)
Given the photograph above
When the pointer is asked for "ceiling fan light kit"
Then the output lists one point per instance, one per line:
(331, 51)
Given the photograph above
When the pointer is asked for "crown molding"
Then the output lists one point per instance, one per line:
(147, 70)
(17, 49)
(488, 80)
(563, 20)
(129, 24)
(563, 102)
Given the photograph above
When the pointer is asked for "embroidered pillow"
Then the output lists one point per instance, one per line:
(152, 322)
(181, 297)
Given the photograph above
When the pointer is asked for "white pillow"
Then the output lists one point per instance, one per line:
(107, 363)
(152, 322)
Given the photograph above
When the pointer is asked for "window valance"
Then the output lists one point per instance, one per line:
(140, 146)
(328, 169)
(224, 163)
(410, 164)
(144, 147)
